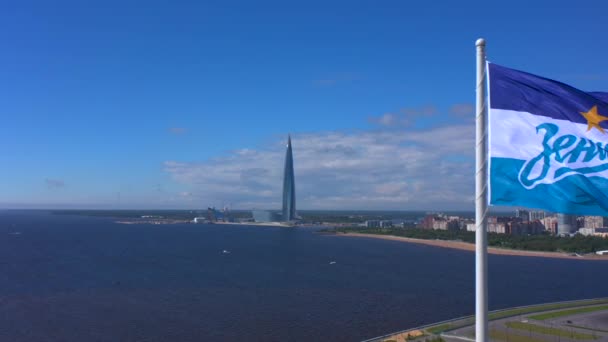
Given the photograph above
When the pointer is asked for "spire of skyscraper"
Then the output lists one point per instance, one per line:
(289, 186)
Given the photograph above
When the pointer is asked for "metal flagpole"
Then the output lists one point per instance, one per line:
(481, 199)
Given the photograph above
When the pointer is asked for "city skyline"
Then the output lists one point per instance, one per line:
(184, 107)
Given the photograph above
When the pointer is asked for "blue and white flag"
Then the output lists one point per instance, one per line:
(548, 144)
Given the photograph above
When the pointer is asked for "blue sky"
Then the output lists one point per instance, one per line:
(187, 104)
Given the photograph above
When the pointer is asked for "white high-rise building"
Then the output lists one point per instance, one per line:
(537, 215)
(594, 222)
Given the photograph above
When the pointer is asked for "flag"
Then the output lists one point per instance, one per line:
(548, 144)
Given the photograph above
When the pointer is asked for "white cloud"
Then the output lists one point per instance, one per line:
(389, 119)
(405, 169)
(429, 110)
(462, 110)
(404, 117)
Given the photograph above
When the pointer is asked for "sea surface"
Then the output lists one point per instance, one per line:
(78, 278)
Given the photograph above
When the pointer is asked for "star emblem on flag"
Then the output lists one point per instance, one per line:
(594, 119)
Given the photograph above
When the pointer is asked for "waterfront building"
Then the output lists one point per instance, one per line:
(214, 215)
(522, 214)
(443, 222)
(536, 215)
(289, 186)
(601, 232)
(550, 223)
(440, 223)
(386, 224)
(497, 227)
(372, 224)
(529, 215)
(586, 231)
(493, 227)
(510, 225)
(427, 222)
(594, 222)
(524, 228)
(566, 224)
(580, 222)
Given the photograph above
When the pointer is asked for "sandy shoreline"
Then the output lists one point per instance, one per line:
(259, 224)
(465, 246)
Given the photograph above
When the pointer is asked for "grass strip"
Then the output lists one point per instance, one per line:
(437, 329)
(545, 307)
(570, 312)
(587, 328)
(501, 335)
(549, 331)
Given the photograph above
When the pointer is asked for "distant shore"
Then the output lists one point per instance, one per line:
(260, 224)
(465, 246)
(176, 221)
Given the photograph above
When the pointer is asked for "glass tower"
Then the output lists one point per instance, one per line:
(289, 186)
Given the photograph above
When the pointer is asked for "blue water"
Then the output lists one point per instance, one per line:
(73, 278)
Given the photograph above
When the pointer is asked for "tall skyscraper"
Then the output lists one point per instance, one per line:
(289, 186)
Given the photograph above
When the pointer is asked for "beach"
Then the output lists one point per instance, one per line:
(471, 247)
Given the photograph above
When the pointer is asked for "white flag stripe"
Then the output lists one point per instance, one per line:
(514, 133)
